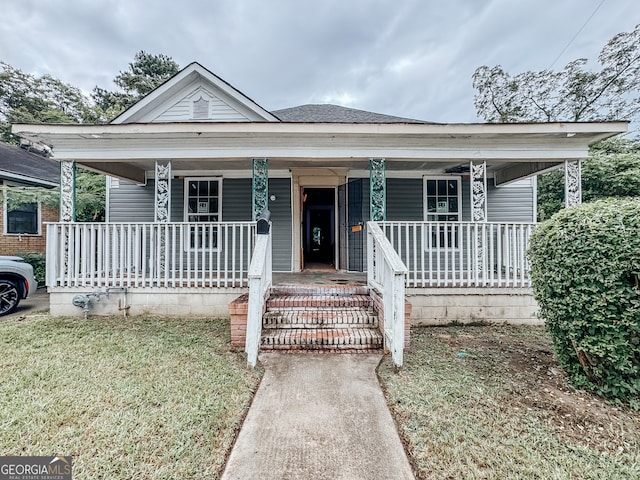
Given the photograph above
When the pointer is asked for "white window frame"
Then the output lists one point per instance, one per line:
(426, 214)
(5, 230)
(449, 239)
(188, 240)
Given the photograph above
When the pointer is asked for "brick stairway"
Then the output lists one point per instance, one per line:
(320, 318)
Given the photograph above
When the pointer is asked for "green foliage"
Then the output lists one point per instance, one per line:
(612, 170)
(90, 196)
(573, 94)
(146, 72)
(585, 271)
(38, 262)
(25, 98)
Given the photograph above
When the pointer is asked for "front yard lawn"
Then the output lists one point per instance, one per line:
(126, 397)
(491, 403)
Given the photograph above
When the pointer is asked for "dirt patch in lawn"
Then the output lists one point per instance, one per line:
(534, 381)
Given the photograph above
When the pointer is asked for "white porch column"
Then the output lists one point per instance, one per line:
(259, 187)
(377, 190)
(163, 192)
(479, 214)
(572, 183)
(67, 191)
(478, 191)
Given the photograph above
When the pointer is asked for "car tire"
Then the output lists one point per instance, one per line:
(9, 296)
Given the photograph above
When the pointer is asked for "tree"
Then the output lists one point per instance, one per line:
(25, 98)
(146, 72)
(612, 170)
(573, 94)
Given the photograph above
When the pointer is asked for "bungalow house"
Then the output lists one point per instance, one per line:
(440, 213)
(22, 229)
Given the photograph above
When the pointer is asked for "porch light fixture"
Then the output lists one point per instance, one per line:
(571, 134)
(272, 198)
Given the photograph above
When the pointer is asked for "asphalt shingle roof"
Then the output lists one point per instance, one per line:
(33, 168)
(326, 113)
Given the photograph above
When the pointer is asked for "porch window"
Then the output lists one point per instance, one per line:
(203, 205)
(442, 199)
(442, 203)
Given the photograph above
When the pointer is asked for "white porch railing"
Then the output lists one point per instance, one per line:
(149, 254)
(260, 279)
(462, 254)
(386, 273)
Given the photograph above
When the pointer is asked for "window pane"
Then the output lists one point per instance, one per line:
(23, 219)
(213, 205)
(431, 204)
(203, 188)
(193, 205)
(453, 204)
(431, 187)
(213, 188)
(443, 205)
(193, 188)
(452, 187)
(442, 187)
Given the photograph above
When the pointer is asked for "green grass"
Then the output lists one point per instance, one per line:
(128, 398)
(491, 403)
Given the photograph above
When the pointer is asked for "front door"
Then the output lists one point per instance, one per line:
(318, 227)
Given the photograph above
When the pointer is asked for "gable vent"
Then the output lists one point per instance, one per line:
(201, 109)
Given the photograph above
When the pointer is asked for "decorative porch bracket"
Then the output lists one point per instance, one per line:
(67, 191)
(163, 192)
(260, 186)
(479, 211)
(377, 190)
(572, 183)
(478, 191)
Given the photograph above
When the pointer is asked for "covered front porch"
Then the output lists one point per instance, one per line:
(415, 206)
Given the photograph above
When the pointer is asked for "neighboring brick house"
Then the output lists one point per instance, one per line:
(21, 228)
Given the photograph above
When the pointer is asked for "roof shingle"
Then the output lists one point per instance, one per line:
(28, 167)
(327, 113)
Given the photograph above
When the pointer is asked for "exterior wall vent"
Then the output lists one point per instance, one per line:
(201, 109)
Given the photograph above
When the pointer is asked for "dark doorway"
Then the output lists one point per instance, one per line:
(318, 227)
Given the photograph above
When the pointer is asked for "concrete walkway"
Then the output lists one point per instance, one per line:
(318, 416)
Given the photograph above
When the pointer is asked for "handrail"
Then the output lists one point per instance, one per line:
(260, 279)
(386, 273)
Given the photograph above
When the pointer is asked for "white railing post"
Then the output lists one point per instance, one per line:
(389, 279)
(260, 276)
(52, 259)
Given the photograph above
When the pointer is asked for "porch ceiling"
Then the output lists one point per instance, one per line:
(130, 150)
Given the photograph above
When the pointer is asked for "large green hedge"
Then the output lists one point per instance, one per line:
(585, 267)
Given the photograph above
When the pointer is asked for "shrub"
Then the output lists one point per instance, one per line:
(38, 262)
(585, 268)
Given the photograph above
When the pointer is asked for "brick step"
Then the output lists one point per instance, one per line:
(315, 301)
(351, 339)
(319, 290)
(305, 317)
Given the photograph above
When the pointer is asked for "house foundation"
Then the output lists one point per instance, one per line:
(443, 306)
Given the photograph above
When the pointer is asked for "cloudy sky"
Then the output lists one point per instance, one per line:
(412, 58)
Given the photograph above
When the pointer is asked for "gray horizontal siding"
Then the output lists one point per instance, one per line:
(511, 203)
(404, 200)
(131, 203)
(134, 203)
(281, 219)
